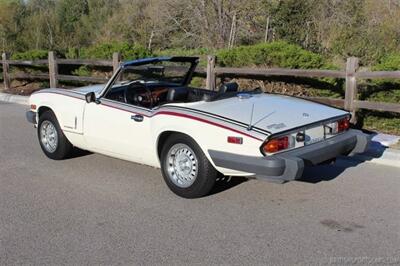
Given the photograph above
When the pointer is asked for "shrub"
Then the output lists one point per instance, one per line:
(83, 71)
(390, 62)
(106, 50)
(274, 54)
(30, 55)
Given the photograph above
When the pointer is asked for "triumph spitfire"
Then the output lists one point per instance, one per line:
(149, 114)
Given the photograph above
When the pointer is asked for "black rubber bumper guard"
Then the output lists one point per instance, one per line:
(288, 166)
(31, 117)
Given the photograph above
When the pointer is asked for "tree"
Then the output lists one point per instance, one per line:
(292, 20)
(11, 16)
(69, 15)
(40, 25)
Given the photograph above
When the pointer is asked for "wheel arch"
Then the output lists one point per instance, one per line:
(46, 107)
(163, 136)
(42, 109)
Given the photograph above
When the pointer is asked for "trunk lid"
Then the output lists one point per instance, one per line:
(271, 112)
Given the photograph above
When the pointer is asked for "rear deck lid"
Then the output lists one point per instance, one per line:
(270, 112)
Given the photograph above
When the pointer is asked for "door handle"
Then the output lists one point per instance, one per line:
(137, 118)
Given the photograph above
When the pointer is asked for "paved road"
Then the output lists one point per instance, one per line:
(97, 210)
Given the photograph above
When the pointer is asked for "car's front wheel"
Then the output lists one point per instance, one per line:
(51, 138)
(185, 168)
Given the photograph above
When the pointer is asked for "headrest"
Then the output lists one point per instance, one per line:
(229, 87)
(178, 94)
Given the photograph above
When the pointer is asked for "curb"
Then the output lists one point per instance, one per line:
(10, 98)
(380, 154)
(377, 152)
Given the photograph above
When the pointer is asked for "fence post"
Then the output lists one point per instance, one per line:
(351, 87)
(53, 70)
(210, 82)
(116, 61)
(6, 71)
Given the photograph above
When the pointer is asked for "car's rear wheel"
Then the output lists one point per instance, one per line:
(51, 138)
(185, 168)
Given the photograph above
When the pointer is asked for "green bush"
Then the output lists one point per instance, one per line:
(30, 55)
(390, 62)
(106, 50)
(82, 71)
(274, 54)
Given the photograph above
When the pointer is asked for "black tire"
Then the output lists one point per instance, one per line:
(63, 146)
(206, 173)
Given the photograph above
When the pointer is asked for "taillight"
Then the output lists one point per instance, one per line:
(343, 125)
(305, 136)
(337, 127)
(278, 144)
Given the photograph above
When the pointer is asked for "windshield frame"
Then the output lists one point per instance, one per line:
(185, 81)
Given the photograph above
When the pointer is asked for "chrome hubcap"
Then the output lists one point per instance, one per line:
(48, 136)
(182, 165)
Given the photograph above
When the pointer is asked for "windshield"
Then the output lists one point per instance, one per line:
(166, 72)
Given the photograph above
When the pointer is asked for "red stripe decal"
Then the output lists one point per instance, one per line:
(206, 121)
(189, 117)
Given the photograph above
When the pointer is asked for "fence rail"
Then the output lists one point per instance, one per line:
(268, 72)
(351, 75)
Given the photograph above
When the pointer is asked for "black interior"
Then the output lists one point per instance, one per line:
(229, 87)
(155, 94)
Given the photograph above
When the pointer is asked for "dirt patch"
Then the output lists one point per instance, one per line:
(23, 87)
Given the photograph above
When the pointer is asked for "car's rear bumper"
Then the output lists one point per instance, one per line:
(31, 117)
(289, 165)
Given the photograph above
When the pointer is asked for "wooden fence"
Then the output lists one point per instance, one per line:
(351, 74)
(53, 64)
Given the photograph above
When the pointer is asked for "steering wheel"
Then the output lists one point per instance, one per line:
(138, 94)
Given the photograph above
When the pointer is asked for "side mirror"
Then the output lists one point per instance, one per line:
(90, 97)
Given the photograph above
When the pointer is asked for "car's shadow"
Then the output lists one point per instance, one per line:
(327, 172)
(313, 174)
(76, 153)
(225, 183)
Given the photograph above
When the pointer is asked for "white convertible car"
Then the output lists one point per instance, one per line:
(147, 113)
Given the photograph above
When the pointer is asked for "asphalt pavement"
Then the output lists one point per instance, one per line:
(96, 210)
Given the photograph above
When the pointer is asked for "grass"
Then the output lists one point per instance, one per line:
(381, 121)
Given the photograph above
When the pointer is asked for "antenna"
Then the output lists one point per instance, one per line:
(250, 127)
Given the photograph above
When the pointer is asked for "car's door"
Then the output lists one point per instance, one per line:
(118, 129)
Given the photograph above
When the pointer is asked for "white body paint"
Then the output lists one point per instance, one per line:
(107, 127)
